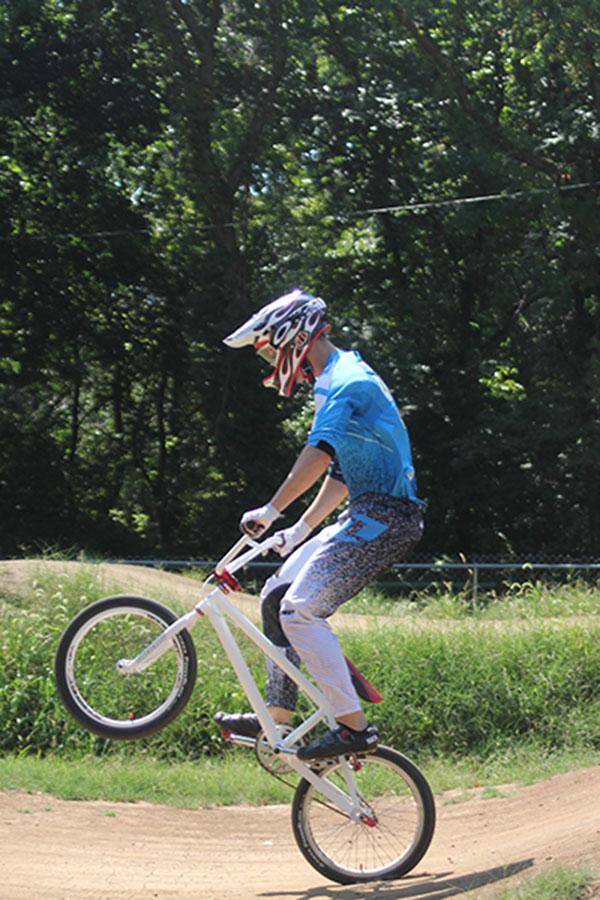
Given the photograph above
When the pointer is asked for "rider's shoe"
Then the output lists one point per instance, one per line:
(340, 742)
(239, 723)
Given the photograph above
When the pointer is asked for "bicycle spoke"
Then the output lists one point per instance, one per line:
(93, 686)
(379, 845)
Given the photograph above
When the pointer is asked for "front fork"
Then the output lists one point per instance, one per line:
(157, 647)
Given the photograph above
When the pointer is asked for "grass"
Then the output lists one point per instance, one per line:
(559, 883)
(470, 691)
(230, 781)
(523, 765)
(237, 778)
(526, 600)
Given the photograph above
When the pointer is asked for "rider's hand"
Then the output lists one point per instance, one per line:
(291, 537)
(255, 521)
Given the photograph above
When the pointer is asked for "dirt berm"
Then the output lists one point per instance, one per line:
(72, 850)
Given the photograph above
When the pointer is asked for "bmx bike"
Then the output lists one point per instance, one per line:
(126, 667)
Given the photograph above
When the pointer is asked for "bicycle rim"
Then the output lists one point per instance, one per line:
(101, 693)
(391, 837)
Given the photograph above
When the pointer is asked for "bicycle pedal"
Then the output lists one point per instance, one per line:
(241, 740)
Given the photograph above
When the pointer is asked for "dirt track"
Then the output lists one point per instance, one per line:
(68, 850)
(72, 850)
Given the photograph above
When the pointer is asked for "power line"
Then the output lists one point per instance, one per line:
(437, 203)
(460, 201)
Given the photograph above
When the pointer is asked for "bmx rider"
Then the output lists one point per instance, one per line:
(359, 442)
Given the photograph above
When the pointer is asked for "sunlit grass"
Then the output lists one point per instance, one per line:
(560, 883)
(528, 600)
(237, 778)
(521, 765)
(455, 685)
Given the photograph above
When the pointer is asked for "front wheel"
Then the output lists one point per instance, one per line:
(385, 843)
(93, 688)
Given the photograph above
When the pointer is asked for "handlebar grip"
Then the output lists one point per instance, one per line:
(252, 527)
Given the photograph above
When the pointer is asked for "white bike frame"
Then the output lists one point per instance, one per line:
(217, 607)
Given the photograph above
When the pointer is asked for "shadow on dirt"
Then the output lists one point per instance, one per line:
(425, 887)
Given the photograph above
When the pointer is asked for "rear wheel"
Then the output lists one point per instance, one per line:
(388, 840)
(95, 690)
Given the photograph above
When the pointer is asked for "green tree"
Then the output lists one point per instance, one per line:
(168, 167)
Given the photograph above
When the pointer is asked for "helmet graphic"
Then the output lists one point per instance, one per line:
(283, 332)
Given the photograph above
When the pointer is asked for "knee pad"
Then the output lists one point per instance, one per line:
(269, 609)
(293, 615)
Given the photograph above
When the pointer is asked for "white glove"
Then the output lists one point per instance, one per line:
(255, 521)
(291, 537)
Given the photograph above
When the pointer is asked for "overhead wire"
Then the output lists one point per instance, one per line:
(436, 203)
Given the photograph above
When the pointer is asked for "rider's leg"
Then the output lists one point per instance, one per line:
(320, 650)
(281, 690)
(376, 532)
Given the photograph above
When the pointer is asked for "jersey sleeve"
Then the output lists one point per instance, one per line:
(331, 421)
(326, 448)
(335, 470)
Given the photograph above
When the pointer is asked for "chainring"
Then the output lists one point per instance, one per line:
(274, 763)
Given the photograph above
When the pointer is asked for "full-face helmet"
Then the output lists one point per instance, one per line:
(283, 332)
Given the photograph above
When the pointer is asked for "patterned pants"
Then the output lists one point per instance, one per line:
(373, 533)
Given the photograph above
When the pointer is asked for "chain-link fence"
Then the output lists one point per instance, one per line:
(475, 577)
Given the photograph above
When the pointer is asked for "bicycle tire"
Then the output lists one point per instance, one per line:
(90, 685)
(349, 852)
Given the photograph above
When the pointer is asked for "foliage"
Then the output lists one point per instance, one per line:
(237, 778)
(34, 717)
(165, 168)
(473, 687)
(559, 881)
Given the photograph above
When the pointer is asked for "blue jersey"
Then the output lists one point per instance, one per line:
(357, 416)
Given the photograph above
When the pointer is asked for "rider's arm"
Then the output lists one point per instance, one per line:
(312, 463)
(308, 468)
(331, 494)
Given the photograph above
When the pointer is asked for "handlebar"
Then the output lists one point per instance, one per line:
(232, 559)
